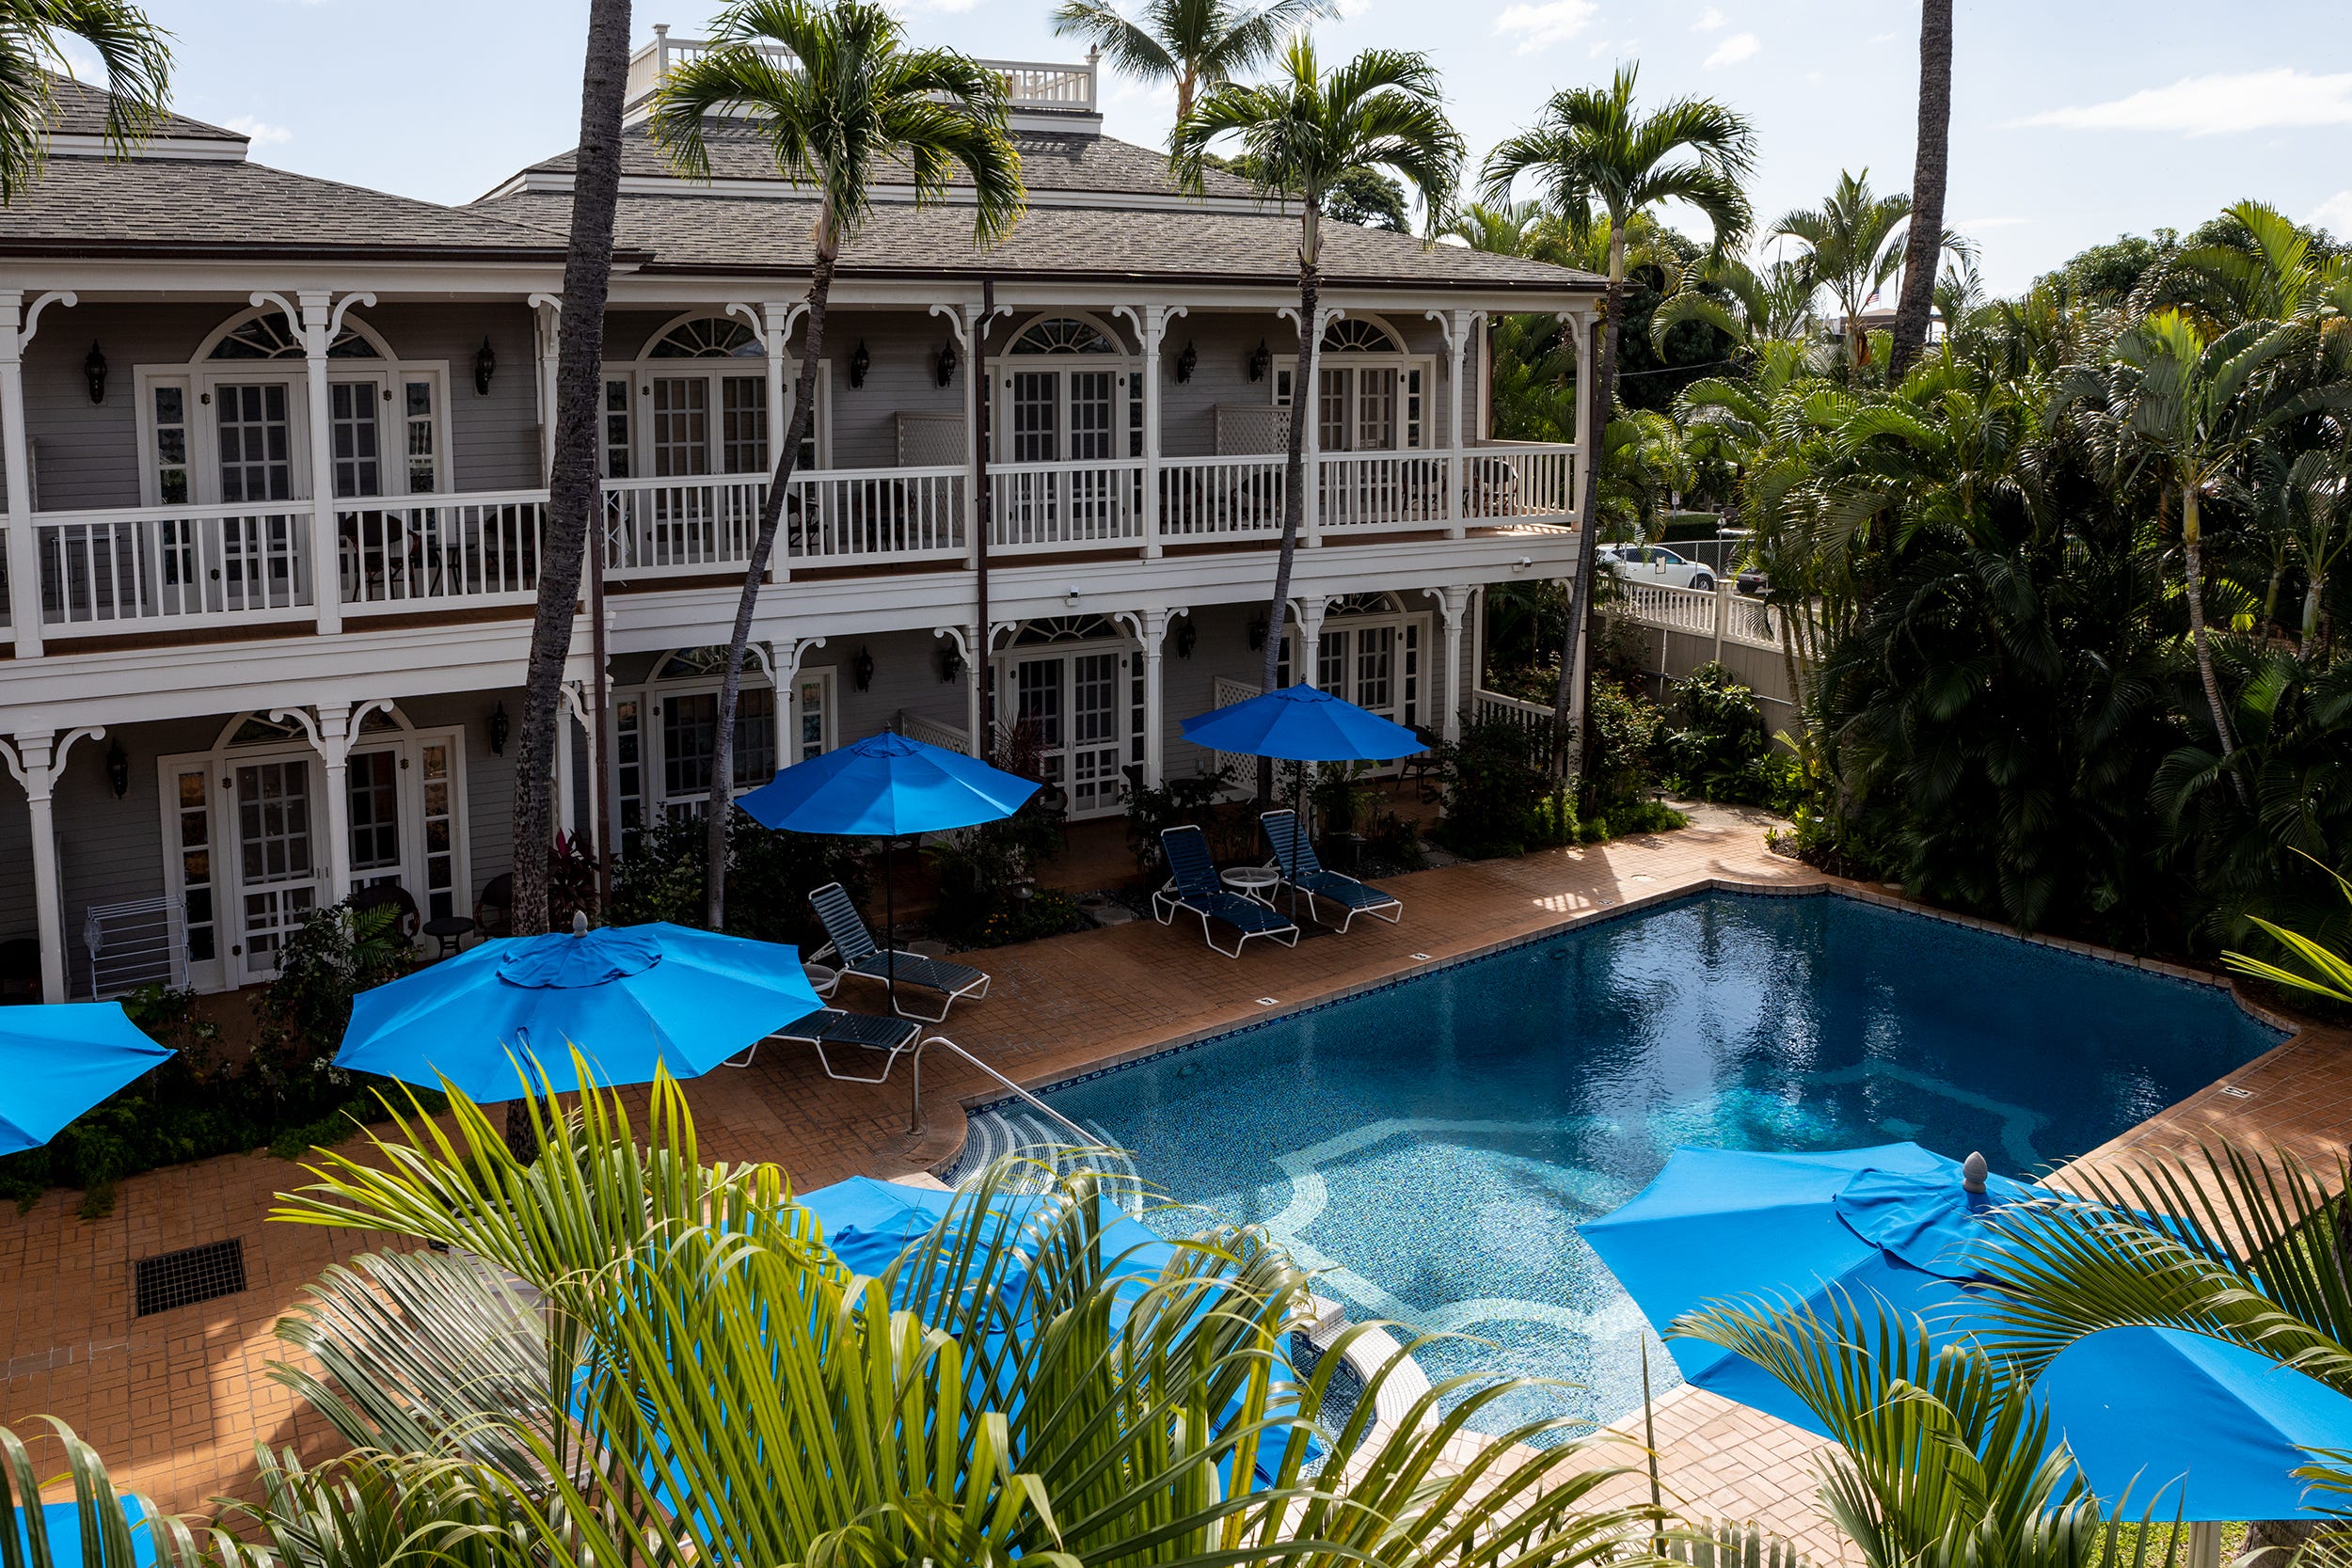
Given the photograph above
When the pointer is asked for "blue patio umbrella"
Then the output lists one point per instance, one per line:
(2169, 1418)
(57, 1061)
(1302, 723)
(630, 997)
(885, 786)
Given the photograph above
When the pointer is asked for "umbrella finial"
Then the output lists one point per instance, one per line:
(579, 923)
(1971, 1173)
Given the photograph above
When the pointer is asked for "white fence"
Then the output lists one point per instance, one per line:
(1051, 506)
(1516, 710)
(1723, 613)
(463, 550)
(191, 565)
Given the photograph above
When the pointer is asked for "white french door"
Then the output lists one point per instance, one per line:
(1080, 703)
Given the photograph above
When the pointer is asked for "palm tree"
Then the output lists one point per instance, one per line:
(1300, 134)
(842, 104)
(136, 53)
(1197, 44)
(1948, 1458)
(2322, 971)
(2254, 1250)
(1602, 163)
(665, 1351)
(574, 503)
(2188, 406)
(1751, 306)
(2276, 273)
(1931, 160)
(1856, 244)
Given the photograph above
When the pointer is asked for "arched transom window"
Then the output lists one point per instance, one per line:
(1063, 335)
(694, 402)
(1067, 392)
(1360, 335)
(268, 336)
(708, 338)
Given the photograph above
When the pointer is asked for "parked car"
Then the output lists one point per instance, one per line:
(1752, 583)
(1656, 563)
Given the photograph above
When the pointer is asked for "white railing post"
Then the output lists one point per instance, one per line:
(1151, 324)
(315, 322)
(17, 327)
(1723, 613)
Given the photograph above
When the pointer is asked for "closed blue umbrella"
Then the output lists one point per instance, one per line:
(631, 998)
(887, 785)
(57, 1061)
(2140, 1408)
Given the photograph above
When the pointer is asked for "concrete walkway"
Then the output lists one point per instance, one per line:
(177, 1401)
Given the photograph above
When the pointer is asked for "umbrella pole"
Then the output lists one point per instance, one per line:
(889, 918)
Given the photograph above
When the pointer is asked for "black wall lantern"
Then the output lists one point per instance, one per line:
(1186, 635)
(862, 668)
(859, 362)
(1258, 361)
(486, 365)
(498, 730)
(94, 367)
(1257, 633)
(950, 663)
(119, 769)
(947, 361)
(1186, 362)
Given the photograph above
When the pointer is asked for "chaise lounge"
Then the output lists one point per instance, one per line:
(856, 952)
(1303, 872)
(1198, 889)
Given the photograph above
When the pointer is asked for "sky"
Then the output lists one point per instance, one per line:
(2073, 121)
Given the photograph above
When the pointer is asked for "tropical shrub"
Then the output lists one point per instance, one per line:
(1186, 802)
(770, 876)
(1495, 776)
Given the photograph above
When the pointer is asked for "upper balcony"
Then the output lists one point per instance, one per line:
(148, 572)
(1035, 88)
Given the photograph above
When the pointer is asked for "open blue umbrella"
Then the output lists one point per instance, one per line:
(57, 1061)
(887, 785)
(2140, 1408)
(1301, 723)
(630, 997)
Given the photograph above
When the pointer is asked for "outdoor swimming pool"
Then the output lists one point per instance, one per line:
(1432, 1145)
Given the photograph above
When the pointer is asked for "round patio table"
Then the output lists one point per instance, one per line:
(1253, 882)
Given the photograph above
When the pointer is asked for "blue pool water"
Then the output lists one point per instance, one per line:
(1432, 1145)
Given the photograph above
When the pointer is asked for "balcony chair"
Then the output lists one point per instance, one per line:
(857, 952)
(494, 912)
(1294, 853)
(407, 920)
(1193, 875)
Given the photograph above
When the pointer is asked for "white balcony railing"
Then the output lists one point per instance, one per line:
(1222, 497)
(1060, 506)
(423, 554)
(190, 566)
(1723, 613)
(197, 566)
(1029, 84)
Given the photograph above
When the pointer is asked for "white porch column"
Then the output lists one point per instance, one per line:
(37, 759)
(547, 310)
(1457, 326)
(18, 323)
(336, 726)
(1452, 604)
(566, 775)
(1150, 323)
(576, 703)
(1588, 393)
(965, 640)
(969, 322)
(1149, 627)
(1307, 610)
(316, 319)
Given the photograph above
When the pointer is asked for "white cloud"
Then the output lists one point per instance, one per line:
(1540, 26)
(2214, 105)
(2334, 215)
(261, 132)
(1738, 47)
(1711, 20)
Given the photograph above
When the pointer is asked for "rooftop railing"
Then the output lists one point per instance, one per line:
(1032, 84)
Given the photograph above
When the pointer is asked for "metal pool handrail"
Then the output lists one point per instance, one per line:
(1086, 1139)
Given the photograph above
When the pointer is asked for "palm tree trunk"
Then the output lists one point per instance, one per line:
(719, 813)
(572, 499)
(1304, 406)
(2193, 563)
(1923, 242)
(2313, 592)
(1574, 697)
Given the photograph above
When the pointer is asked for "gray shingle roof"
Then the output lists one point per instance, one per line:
(86, 206)
(1050, 161)
(768, 234)
(81, 111)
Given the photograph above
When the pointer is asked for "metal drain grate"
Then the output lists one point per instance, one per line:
(192, 1274)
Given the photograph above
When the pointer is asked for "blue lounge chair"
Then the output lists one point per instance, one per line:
(856, 952)
(1194, 878)
(1303, 873)
(891, 1038)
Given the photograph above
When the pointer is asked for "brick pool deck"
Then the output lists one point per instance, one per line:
(177, 1401)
